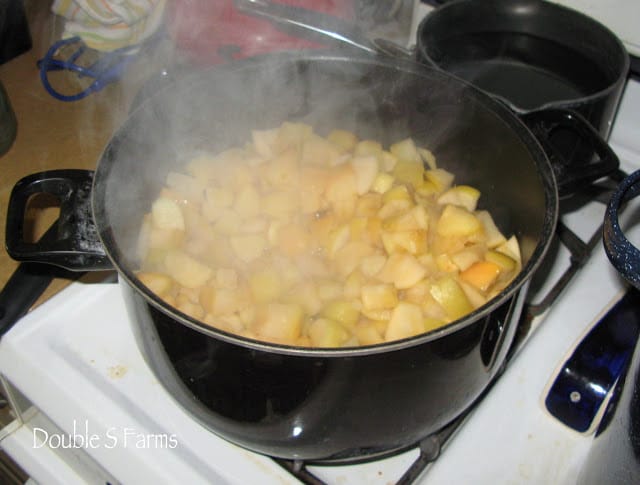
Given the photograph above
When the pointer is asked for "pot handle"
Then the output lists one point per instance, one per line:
(593, 158)
(76, 245)
(624, 256)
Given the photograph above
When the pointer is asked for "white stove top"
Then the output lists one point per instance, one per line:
(76, 362)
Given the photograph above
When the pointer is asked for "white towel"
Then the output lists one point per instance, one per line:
(106, 25)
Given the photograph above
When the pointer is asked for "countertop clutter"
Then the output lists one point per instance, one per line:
(53, 134)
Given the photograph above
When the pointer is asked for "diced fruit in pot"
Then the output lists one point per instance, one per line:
(325, 241)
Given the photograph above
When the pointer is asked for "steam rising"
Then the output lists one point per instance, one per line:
(213, 109)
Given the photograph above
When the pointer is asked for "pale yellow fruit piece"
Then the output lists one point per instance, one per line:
(367, 333)
(406, 151)
(350, 256)
(387, 161)
(432, 323)
(413, 241)
(319, 151)
(248, 247)
(507, 263)
(366, 170)
(227, 222)
(446, 264)
(383, 182)
(264, 142)
(283, 170)
(329, 290)
(397, 192)
(159, 283)
(379, 297)
(409, 172)
(227, 278)
(327, 333)
(394, 207)
(447, 292)
(189, 308)
(406, 321)
(337, 239)
(187, 271)
(371, 265)
(440, 178)
(461, 195)
(305, 294)
(341, 184)
(165, 238)
(368, 205)
(247, 202)
(403, 270)
(292, 239)
(380, 317)
(457, 221)
(466, 257)
(345, 140)
(353, 285)
(367, 147)
(280, 322)
(266, 285)
(166, 214)
(313, 180)
(511, 248)
(493, 235)
(476, 298)
(341, 311)
(216, 201)
(280, 205)
(428, 157)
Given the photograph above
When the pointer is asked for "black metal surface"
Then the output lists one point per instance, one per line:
(531, 54)
(75, 245)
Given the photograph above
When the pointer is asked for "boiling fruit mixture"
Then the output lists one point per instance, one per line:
(304, 240)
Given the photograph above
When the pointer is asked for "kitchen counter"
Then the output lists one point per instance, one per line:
(54, 134)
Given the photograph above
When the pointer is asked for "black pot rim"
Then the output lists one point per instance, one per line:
(520, 283)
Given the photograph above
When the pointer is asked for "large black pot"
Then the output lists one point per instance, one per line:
(296, 402)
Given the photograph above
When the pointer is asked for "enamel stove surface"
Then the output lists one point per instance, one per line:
(72, 368)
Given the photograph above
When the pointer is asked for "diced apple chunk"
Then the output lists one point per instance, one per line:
(461, 195)
(456, 221)
(403, 270)
(248, 247)
(158, 283)
(166, 214)
(341, 311)
(186, 270)
(327, 333)
(406, 321)
(447, 292)
(280, 322)
(366, 170)
(493, 235)
(379, 297)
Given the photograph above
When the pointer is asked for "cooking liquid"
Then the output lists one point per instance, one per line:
(527, 71)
